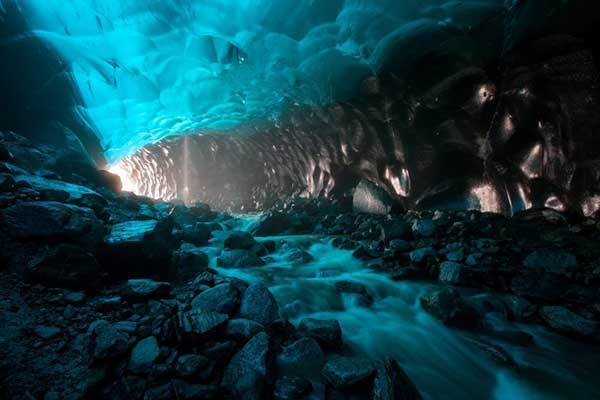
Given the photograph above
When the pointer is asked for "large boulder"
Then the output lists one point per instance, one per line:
(107, 341)
(448, 306)
(238, 240)
(145, 289)
(188, 262)
(144, 355)
(327, 332)
(301, 358)
(371, 198)
(258, 304)
(552, 261)
(198, 234)
(239, 259)
(139, 249)
(271, 224)
(223, 298)
(567, 322)
(392, 383)
(199, 323)
(247, 372)
(51, 221)
(346, 371)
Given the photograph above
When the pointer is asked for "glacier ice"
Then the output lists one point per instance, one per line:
(148, 69)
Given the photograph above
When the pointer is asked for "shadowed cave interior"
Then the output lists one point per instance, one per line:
(335, 199)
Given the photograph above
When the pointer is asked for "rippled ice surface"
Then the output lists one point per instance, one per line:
(442, 362)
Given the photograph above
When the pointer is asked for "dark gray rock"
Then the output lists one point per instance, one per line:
(188, 262)
(370, 198)
(327, 332)
(190, 391)
(46, 332)
(258, 304)
(144, 355)
(519, 309)
(239, 259)
(223, 298)
(242, 328)
(448, 306)
(192, 365)
(392, 383)
(347, 371)
(139, 290)
(298, 256)
(301, 358)
(108, 342)
(420, 255)
(239, 240)
(247, 371)
(452, 273)
(292, 388)
(197, 234)
(400, 245)
(551, 260)
(567, 322)
(199, 323)
(271, 224)
(424, 227)
(161, 392)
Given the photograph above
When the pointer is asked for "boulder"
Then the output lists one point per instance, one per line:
(241, 328)
(238, 240)
(301, 358)
(139, 290)
(327, 332)
(193, 365)
(144, 355)
(448, 306)
(298, 257)
(193, 391)
(418, 256)
(239, 259)
(197, 234)
(139, 249)
(392, 383)
(46, 331)
(452, 272)
(199, 323)
(50, 221)
(258, 304)
(224, 299)
(346, 371)
(563, 320)
(370, 198)
(271, 224)
(291, 388)
(552, 261)
(188, 262)
(108, 342)
(424, 227)
(247, 372)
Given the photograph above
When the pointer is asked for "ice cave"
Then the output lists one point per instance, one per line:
(299, 199)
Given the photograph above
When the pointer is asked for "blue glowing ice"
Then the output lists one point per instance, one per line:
(152, 68)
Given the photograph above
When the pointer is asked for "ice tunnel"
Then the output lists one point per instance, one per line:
(487, 104)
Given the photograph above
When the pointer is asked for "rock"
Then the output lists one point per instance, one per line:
(139, 248)
(244, 329)
(258, 304)
(400, 245)
(519, 309)
(189, 391)
(301, 358)
(456, 255)
(73, 297)
(298, 257)
(239, 259)
(192, 365)
(126, 326)
(105, 304)
(197, 234)
(363, 298)
(424, 227)
(419, 255)
(538, 285)
(65, 265)
(199, 323)
(448, 306)
(452, 273)
(550, 260)
(396, 230)
(191, 215)
(52, 221)
(162, 392)
(143, 355)
(188, 262)
(291, 388)
(392, 383)
(347, 371)
(107, 341)
(224, 299)
(139, 290)
(327, 332)
(46, 332)
(567, 322)
(271, 224)
(370, 198)
(494, 352)
(239, 240)
(247, 371)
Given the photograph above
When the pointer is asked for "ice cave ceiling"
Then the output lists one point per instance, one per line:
(150, 69)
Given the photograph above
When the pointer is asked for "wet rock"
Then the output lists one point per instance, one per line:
(162, 392)
(139, 290)
(105, 304)
(143, 355)
(52, 221)
(448, 306)
(239, 240)
(299, 257)
(563, 320)
(239, 259)
(198, 212)
(420, 255)
(224, 299)
(400, 245)
(424, 227)
(65, 265)
(46, 332)
(271, 224)
(538, 286)
(198, 322)
(292, 387)
(197, 234)
(188, 262)
(193, 365)
(452, 273)
(258, 304)
(347, 371)
(301, 358)
(363, 298)
(139, 248)
(550, 260)
(327, 332)
(108, 342)
(494, 352)
(247, 371)
(242, 328)
(189, 391)
(370, 198)
(392, 383)
(519, 308)
(396, 230)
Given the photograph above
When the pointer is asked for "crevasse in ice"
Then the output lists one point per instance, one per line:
(152, 68)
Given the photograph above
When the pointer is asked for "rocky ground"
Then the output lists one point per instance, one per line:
(107, 295)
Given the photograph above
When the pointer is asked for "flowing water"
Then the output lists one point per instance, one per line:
(444, 363)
